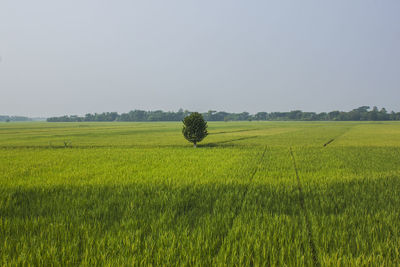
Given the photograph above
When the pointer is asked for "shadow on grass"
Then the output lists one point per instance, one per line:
(84, 215)
(225, 142)
(145, 203)
(108, 204)
(237, 131)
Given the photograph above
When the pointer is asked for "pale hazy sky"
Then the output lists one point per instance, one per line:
(80, 56)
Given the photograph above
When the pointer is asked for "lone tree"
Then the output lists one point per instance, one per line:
(194, 128)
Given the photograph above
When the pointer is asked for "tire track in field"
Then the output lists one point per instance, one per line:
(306, 217)
(238, 211)
(339, 135)
(330, 141)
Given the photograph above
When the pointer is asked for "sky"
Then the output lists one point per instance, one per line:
(86, 56)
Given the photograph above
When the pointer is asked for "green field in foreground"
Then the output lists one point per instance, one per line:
(252, 193)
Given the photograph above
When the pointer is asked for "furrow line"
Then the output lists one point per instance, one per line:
(306, 217)
(338, 136)
(238, 211)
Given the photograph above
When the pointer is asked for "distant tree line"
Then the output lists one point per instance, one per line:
(364, 113)
(14, 118)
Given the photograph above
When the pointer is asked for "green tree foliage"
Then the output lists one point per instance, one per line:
(359, 114)
(14, 118)
(194, 128)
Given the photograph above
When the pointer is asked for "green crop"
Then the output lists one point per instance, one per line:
(252, 193)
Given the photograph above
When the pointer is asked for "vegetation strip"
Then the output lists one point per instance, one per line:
(359, 114)
(307, 219)
(243, 202)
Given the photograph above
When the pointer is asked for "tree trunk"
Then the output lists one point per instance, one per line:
(194, 144)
